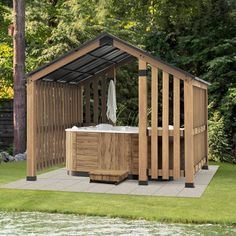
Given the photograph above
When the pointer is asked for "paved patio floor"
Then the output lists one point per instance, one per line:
(58, 180)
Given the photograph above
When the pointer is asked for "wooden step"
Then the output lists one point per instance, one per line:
(108, 176)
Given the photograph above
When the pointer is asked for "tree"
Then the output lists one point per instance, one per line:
(19, 108)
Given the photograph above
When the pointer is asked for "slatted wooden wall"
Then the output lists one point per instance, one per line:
(53, 107)
(199, 126)
(165, 170)
(57, 107)
(95, 101)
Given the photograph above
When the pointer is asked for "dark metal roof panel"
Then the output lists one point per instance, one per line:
(98, 58)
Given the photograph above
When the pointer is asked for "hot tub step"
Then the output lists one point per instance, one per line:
(108, 176)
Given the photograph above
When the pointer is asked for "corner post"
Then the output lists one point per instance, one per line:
(188, 137)
(205, 166)
(143, 175)
(31, 131)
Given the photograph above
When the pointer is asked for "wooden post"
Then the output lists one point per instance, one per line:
(31, 132)
(176, 149)
(154, 137)
(205, 166)
(165, 126)
(188, 136)
(143, 178)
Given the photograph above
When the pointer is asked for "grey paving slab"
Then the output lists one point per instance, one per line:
(150, 189)
(58, 180)
(101, 188)
(170, 190)
(192, 192)
(125, 187)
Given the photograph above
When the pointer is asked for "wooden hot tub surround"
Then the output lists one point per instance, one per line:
(89, 151)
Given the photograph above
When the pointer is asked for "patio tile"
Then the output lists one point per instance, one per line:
(124, 187)
(79, 187)
(197, 191)
(100, 188)
(146, 190)
(203, 179)
(169, 190)
(58, 180)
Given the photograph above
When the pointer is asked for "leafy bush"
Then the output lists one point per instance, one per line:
(219, 146)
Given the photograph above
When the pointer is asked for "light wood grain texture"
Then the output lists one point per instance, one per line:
(108, 176)
(87, 99)
(206, 123)
(165, 125)
(176, 111)
(142, 123)
(163, 66)
(154, 135)
(31, 130)
(188, 123)
(104, 99)
(96, 100)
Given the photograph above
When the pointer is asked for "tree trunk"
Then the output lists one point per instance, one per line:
(19, 79)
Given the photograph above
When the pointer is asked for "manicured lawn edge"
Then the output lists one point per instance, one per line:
(216, 206)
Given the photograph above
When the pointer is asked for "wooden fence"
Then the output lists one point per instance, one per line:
(6, 123)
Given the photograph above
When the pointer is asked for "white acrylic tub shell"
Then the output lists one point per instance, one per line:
(107, 128)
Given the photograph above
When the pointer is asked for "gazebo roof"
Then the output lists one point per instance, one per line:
(96, 56)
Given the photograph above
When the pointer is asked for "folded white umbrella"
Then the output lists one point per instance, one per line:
(111, 102)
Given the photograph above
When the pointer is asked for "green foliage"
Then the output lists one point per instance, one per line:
(219, 148)
(6, 55)
(199, 37)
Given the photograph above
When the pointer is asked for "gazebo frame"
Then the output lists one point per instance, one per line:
(57, 91)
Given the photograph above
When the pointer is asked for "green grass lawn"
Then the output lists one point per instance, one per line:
(217, 205)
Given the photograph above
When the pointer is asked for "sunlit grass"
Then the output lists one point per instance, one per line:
(217, 205)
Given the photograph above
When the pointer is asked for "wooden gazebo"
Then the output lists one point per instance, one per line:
(61, 94)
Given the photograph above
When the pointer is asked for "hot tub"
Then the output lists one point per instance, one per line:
(110, 147)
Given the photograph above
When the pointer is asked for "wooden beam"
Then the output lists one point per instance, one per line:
(65, 60)
(143, 178)
(165, 126)
(188, 139)
(161, 65)
(199, 84)
(154, 136)
(176, 111)
(31, 131)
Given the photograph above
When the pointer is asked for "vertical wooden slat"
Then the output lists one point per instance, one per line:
(87, 99)
(143, 123)
(31, 131)
(188, 137)
(176, 148)
(44, 126)
(154, 137)
(95, 99)
(165, 126)
(104, 100)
